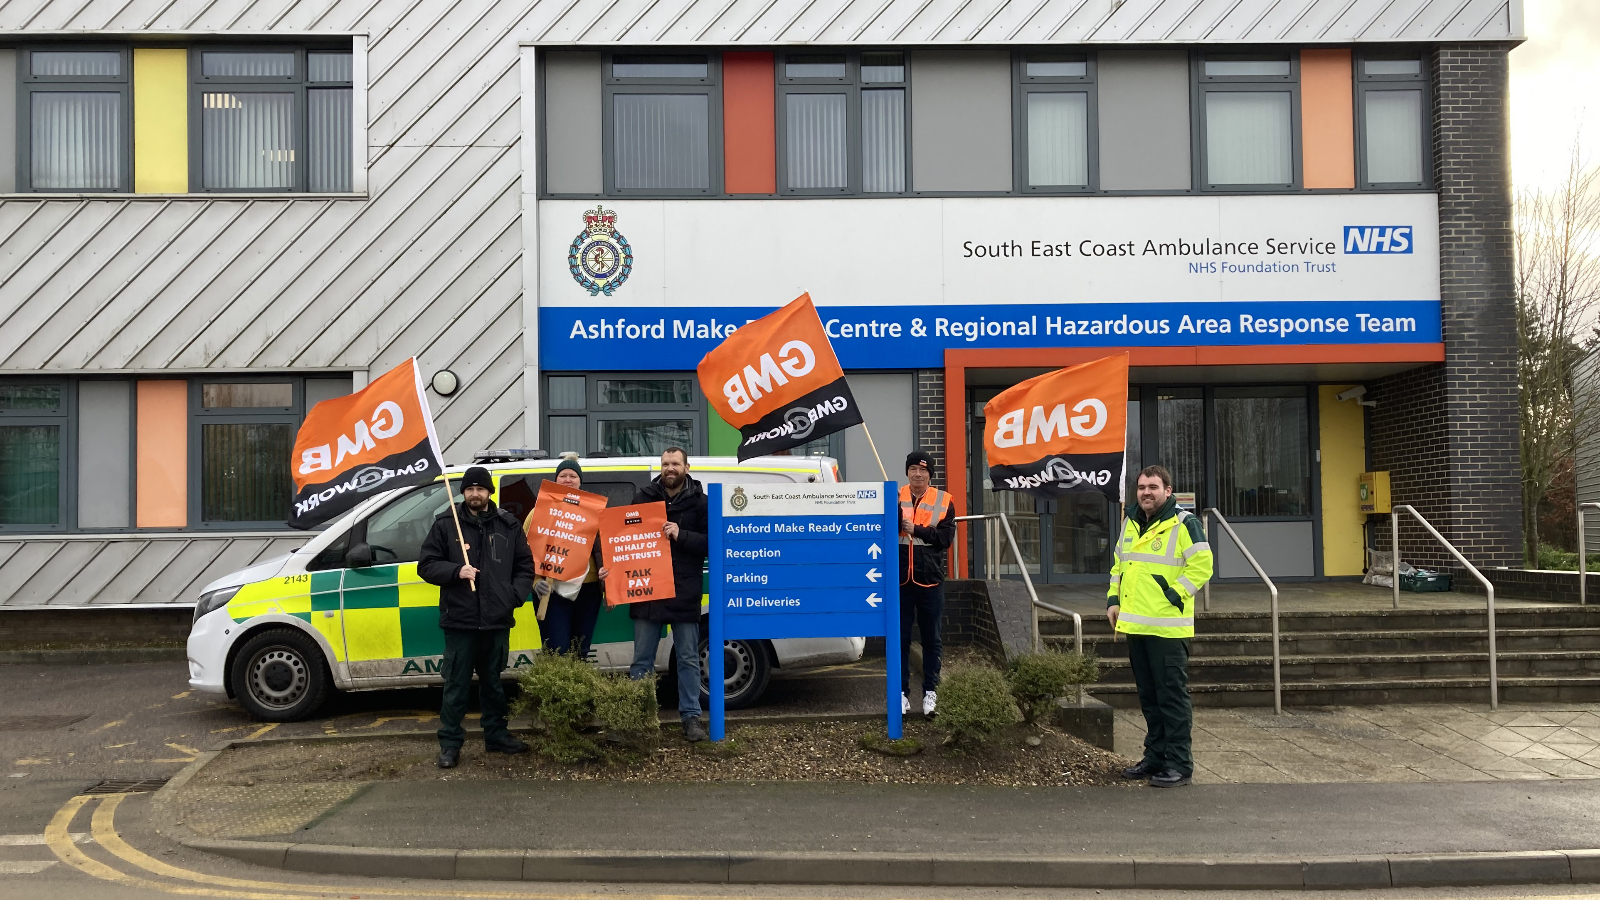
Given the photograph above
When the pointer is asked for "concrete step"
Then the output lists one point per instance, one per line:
(1223, 670)
(1373, 692)
(1360, 642)
(1361, 620)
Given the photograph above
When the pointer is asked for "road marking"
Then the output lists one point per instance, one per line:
(112, 724)
(182, 749)
(25, 866)
(37, 840)
(180, 696)
(257, 733)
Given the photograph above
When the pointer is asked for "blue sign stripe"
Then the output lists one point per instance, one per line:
(828, 625)
(817, 598)
(786, 575)
(906, 337)
(794, 551)
(767, 529)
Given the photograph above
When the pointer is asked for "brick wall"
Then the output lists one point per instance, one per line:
(1449, 433)
(930, 418)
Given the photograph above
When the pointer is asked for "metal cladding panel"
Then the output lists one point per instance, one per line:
(125, 568)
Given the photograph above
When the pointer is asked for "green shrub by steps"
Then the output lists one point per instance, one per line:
(560, 690)
(1037, 679)
(628, 709)
(974, 703)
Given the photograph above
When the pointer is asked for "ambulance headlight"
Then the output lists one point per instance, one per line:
(213, 601)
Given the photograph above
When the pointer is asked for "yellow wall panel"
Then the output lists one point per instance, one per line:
(160, 121)
(1344, 456)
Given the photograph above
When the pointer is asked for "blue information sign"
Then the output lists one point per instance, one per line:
(804, 561)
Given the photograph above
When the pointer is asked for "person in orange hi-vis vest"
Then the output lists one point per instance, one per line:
(927, 528)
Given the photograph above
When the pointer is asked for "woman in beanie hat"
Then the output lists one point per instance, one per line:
(573, 606)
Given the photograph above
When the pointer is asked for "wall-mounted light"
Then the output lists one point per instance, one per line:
(444, 382)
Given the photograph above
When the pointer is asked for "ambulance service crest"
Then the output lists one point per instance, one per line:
(600, 258)
(738, 501)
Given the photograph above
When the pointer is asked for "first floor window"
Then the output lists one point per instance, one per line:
(32, 423)
(76, 110)
(274, 120)
(1058, 139)
(1249, 139)
(844, 123)
(1393, 110)
(661, 141)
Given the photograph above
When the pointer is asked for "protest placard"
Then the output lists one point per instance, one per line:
(561, 530)
(636, 553)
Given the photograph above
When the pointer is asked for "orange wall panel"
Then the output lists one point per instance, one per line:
(1327, 119)
(163, 457)
(750, 159)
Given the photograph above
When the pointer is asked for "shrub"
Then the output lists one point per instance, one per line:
(1037, 679)
(560, 690)
(628, 709)
(974, 703)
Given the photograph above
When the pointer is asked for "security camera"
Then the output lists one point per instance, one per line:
(1355, 393)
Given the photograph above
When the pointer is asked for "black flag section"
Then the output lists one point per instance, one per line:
(1065, 473)
(319, 502)
(823, 411)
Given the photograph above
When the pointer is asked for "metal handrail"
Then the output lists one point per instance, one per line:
(1036, 604)
(1583, 557)
(1488, 586)
(1277, 675)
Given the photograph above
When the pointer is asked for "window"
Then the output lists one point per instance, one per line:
(75, 112)
(1248, 121)
(1392, 98)
(396, 532)
(842, 123)
(270, 119)
(1055, 106)
(623, 415)
(245, 434)
(33, 433)
(663, 124)
(1263, 451)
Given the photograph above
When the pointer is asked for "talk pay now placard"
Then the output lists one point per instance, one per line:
(635, 551)
(805, 561)
(561, 530)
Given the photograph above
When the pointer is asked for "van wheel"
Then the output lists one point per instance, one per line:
(746, 669)
(280, 675)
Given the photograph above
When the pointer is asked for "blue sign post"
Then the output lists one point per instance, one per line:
(804, 561)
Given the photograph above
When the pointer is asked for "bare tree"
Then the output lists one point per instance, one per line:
(1557, 296)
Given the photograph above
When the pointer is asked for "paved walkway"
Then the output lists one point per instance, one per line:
(1449, 743)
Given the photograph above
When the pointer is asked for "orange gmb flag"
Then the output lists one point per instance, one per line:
(1061, 432)
(377, 439)
(778, 382)
(635, 552)
(561, 530)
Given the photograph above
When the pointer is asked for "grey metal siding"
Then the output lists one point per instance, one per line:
(1144, 120)
(127, 568)
(8, 121)
(572, 107)
(104, 453)
(961, 121)
(844, 22)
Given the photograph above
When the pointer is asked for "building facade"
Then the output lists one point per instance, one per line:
(1294, 216)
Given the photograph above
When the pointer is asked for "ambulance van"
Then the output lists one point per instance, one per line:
(348, 611)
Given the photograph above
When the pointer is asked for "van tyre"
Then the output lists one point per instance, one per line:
(746, 669)
(280, 675)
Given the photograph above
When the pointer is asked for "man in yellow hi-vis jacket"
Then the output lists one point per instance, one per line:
(1163, 561)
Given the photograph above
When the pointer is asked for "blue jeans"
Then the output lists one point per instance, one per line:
(566, 621)
(686, 644)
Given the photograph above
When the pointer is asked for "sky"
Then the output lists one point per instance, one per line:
(1555, 90)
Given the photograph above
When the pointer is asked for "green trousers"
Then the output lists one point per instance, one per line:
(1161, 673)
(467, 653)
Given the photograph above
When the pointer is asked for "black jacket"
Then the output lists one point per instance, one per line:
(929, 559)
(500, 552)
(688, 512)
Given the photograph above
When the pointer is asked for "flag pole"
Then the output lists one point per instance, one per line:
(874, 445)
(450, 496)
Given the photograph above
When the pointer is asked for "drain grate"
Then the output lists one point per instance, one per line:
(38, 723)
(127, 787)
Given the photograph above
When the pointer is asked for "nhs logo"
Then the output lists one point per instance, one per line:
(1377, 239)
(866, 494)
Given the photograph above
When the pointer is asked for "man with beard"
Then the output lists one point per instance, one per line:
(686, 531)
(478, 596)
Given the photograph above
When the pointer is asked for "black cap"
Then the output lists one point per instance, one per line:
(918, 458)
(569, 462)
(477, 476)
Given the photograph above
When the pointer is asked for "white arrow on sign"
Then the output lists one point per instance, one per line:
(874, 550)
(873, 575)
(873, 599)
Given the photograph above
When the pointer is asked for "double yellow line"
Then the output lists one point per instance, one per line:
(102, 826)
